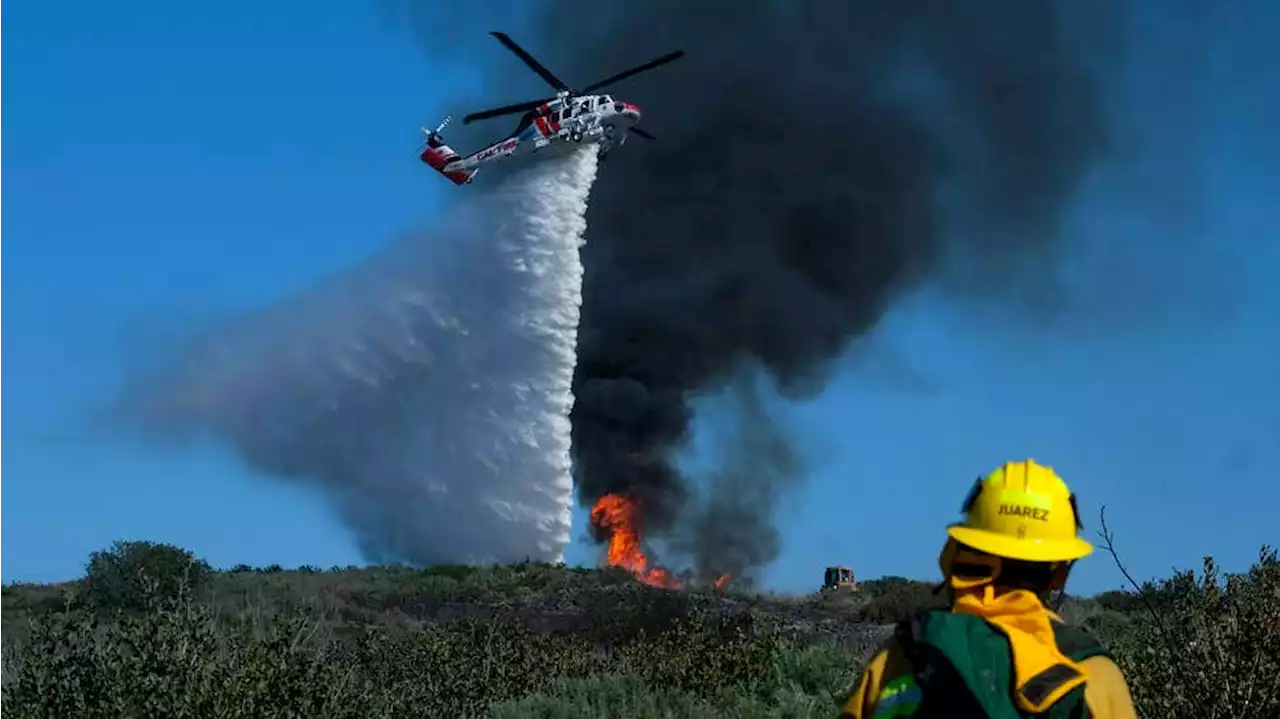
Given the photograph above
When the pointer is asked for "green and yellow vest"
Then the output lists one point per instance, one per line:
(963, 668)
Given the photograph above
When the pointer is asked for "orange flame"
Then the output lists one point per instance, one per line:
(620, 517)
(721, 581)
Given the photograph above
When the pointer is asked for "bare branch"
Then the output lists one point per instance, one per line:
(1175, 653)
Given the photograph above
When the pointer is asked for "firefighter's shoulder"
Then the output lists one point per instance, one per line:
(1106, 691)
(886, 679)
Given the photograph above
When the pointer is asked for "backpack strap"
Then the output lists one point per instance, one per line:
(907, 634)
(1040, 689)
(1077, 643)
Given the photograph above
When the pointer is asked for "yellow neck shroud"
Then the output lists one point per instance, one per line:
(1042, 674)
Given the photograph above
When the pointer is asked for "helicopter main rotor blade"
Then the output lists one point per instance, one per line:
(505, 110)
(534, 65)
(634, 71)
(641, 133)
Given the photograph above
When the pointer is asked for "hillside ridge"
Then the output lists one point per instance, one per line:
(152, 630)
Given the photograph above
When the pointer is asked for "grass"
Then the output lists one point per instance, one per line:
(533, 640)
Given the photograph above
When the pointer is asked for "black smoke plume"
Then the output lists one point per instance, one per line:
(816, 161)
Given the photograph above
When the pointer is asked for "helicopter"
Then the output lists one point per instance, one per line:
(549, 125)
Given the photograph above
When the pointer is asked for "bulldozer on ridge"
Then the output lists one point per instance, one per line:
(838, 579)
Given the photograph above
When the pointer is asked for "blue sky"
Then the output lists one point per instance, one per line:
(173, 162)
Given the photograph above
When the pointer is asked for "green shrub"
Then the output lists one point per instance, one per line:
(131, 575)
(544, 641)
(703, 653)
(1206, 645)
(1157, 596)
(826, 671)
(1118, 600)
(1211, 648)
(618, 697)
(462, 668)
(799, 683)
(893, 598)
(466, 667)
(456, 572)
(173, 662)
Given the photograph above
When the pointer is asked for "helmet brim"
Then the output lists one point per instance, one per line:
(1027, 550)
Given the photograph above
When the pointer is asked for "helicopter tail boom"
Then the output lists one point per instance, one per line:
(440, 156)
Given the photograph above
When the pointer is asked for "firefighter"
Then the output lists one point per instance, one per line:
(1000, 651)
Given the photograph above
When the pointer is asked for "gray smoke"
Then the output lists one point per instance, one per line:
(816, 161)
(725, 527)
(427, 392)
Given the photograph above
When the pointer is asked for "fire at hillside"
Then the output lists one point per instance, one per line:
(618, 521)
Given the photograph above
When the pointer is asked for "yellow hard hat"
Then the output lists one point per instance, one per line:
(1022, 510)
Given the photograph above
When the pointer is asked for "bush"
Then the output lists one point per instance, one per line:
(174, 661)
(703, 653)
(183, 659)
(132, 575)
(894, 598)
(1118, 600)
(462, 668)
(1215, 651)
(605, 696)
(1206, 645)
(468, 666)
(541, 641)
(798, 683)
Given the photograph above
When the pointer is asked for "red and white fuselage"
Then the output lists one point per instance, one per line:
(551, 128)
